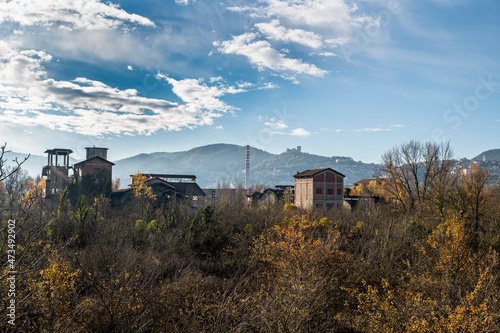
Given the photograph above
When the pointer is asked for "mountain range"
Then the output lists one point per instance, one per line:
(217, 164)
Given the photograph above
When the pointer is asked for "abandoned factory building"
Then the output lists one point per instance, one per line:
(319, 188)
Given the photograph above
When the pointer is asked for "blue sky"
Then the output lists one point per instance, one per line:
(337, 77)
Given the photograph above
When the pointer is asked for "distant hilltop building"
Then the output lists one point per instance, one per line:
(319, 188)
(294, 150)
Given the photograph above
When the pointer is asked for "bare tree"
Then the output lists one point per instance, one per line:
(414, 169)
(4, 172)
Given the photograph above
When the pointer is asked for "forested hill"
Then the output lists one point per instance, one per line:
(491, 155)
(225, 162)
(219, 163)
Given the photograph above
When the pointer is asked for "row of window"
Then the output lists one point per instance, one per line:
(329, 191)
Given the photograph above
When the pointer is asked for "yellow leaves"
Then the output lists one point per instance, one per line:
(357, 230)
(298, 256)
(458, 291)
(50, 295)
(449, 244)
(140, 189)
(34, 194)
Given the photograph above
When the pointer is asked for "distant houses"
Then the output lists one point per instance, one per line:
(271, 196)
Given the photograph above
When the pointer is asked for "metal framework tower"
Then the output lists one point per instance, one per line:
(247, 167)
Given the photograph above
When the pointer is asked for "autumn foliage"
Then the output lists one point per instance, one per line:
(231, 267)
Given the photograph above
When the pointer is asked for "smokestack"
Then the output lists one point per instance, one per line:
(247, 167)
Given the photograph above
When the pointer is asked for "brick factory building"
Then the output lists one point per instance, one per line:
(96, 165)
(319, 188)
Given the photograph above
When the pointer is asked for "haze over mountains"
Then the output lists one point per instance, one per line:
(219, 163)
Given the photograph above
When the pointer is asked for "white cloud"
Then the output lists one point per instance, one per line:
(336, 14)
(337, 41)
(244, 85)
(29, 97)
(197, 95)
(261, 54)
(300, 132)
(219, 127)
(216, 79)
(68, 15)
(371, 129)
(130, 68)
(274, 31)
(184, 2)
(278, 124)
(374, 129)
(268, 85)
(320, 24)
(327, 54)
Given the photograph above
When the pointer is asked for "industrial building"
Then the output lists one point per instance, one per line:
(319, 188)
(165, 187)
(56, 173)
(96, 165)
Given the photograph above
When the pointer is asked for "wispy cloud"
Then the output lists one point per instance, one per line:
(336, 14)
(184, 2)
(327, 54)
(69, 15)
(29, 97)
(274, 31)
(278, 124)
(261, 54)
(322, 25)
(373, 129)
(198, 95)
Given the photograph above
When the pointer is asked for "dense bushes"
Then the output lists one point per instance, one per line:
(230, 267)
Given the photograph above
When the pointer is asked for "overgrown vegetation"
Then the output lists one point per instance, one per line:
(419, 262)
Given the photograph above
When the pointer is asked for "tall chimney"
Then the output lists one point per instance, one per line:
(247, 167)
